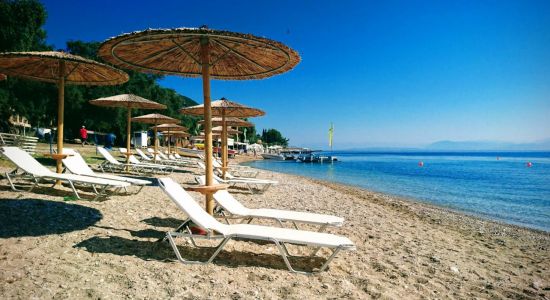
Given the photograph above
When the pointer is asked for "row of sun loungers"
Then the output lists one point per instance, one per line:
(30, 169)
(229, 208)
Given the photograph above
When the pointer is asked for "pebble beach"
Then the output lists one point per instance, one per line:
(54, 247)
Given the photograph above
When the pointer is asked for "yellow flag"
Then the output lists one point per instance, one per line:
(330, 133)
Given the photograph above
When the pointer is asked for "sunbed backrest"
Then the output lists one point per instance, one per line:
(75, 163)
(216, 164)
(107, 156)
(134, 160)
(226, 200)
(142, 154)
(186, 203)
(25, 161)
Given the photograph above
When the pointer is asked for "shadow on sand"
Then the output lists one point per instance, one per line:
(161, 251)
(163, 222)
(35, 217)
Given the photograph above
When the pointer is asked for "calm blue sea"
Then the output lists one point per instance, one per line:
(492, 185)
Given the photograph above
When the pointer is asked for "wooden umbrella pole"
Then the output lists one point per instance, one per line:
(155, 148)
(60, 114)
(224, 144)
(128, 136)
(168, 138)
(205, 59)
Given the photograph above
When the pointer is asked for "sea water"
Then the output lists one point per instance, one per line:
(492, 185)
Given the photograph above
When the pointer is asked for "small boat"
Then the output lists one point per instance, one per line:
(311, 157)
(274, 156)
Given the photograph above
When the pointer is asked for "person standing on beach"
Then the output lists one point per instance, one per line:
(83, 135)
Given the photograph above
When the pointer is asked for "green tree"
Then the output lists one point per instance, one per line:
(273, 137)
(21, 30)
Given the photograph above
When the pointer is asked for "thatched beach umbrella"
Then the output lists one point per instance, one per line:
(60, 68)
(167, 128)
(224, 108)
(229, 121)
(228, 130)
(129, 101)
(179, 135)
(155, 119)
(195, 52)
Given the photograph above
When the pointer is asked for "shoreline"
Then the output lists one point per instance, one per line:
(404, 201)
(51, 248)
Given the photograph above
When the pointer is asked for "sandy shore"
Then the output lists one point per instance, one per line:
(51, 248)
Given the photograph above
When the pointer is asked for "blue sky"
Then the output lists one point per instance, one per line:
(386, 73)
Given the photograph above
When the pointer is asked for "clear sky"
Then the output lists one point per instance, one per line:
(386, 73)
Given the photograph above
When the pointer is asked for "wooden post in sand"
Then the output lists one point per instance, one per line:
(60, 113)
(224, 144)
(205, 65)
(128, 137)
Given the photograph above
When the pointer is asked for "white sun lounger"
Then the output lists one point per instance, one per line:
(217, 230)
(241, 171)
(163, 159)
(238, 211)
(75, 164)
(33, 170)
(194, 159)
(252, 184)
(112, 164)
(190, 161)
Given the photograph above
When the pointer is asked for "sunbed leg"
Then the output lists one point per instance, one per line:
(180, 258)
(140, 188)
(314, 252)
(74, 189)
(178, 229)
(322, 228)
(282, 250)
(36, 183)
(295, 225)
(283, 253)
(10, 181)
(325, 265)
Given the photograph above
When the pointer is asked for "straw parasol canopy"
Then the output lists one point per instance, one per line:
(180, 133)
(230, 121)
(224, 108)
(232, 56)
(194, 52)
(228, 130)
(46, 67)
(61, 68)
(129, 101)
(155, 119)
(167, 128)
(3, 77)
